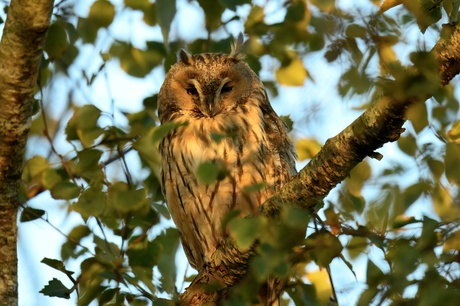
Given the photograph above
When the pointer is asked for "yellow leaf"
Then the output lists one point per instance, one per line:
(307, 148)
(418, 115)
(102, 13)
(323, 288)
(443, 204)
(454, 133)
(387, 55)
(388, 4)
(453, 242)
(293, 74)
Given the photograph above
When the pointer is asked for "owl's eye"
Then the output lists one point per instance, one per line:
(226, 88)
(191, 91)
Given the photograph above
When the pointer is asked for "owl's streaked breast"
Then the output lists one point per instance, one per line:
(246, 154)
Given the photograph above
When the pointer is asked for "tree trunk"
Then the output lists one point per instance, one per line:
(21, 49)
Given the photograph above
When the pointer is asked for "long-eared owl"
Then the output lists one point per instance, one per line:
(226, 120)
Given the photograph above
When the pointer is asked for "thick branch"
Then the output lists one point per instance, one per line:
(379, 124)
(21, 49)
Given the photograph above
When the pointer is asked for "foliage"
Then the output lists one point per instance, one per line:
(125, 252)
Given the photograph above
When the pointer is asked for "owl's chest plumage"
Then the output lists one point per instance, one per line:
(237, 143)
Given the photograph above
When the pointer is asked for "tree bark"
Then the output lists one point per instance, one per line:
(379, 124)
(21, 49)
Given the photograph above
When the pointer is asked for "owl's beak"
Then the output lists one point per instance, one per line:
(211, 105)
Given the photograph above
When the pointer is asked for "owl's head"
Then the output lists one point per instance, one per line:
(207, 85)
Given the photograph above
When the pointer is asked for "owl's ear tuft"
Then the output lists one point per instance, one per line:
(185, 57)
(237, 48)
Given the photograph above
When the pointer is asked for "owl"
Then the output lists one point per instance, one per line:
(223, 118)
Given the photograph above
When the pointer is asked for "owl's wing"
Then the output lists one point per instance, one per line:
(277, 132)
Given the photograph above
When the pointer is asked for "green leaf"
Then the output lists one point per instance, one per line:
(324, 247)
(126, 200)
(303, 294)
(404, 259)
(213, 13)
(73, 239)
(102, 13)
(50, 178)
(408, 144)
(107, 295)
(374, 276)
(142, 274)
(429, 236)
(256, 17)
(56, 264)
(87, 166)
(87, 29)
(145, 220)
(57, 289)
(452, 162)
(137, 4)
(426, 12)
(166, 10)
(106, 252)
(356, 31)
(288, 122)
(169, 240)
(436, 167)
(148, 149)
(210, 172)
(293, 74)
(79, 232)
(91, 292)
(34, 167)
(161, 131)
(245, 231)
(65, 190)
(401, 221)
(451, 7)
(30, 214)
(137, 62)
(332, 53)
(295, 218)
(143, 253)
(92, 202)
(150, 15)
(356, 246)
(83, 125)
(412, 193)
(56, 41)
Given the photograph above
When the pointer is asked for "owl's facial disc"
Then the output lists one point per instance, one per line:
(209, 98)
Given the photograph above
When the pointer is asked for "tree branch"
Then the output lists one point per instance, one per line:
(21, 49)
(379, 124)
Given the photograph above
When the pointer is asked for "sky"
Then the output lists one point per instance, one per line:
(38, 239)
